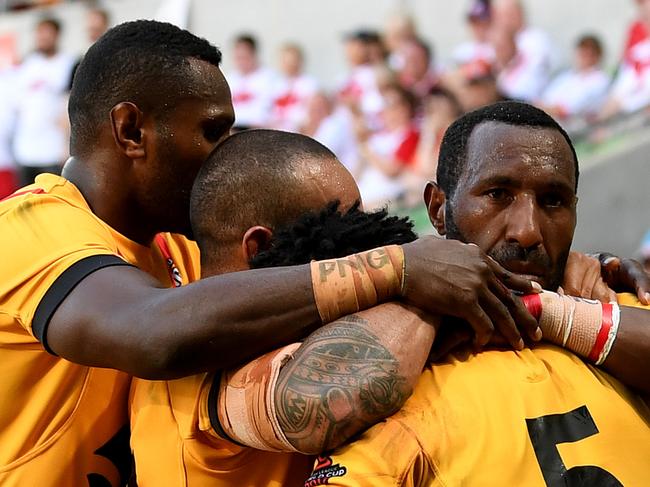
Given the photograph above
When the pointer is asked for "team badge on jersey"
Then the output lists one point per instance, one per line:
(325, 470)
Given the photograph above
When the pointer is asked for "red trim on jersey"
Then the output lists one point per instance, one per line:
(21, 193)
(601, 339)
(172, 270)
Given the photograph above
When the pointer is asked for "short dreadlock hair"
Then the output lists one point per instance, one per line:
(330, 233)
(453, 150)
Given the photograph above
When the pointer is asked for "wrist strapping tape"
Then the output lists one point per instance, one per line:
(583, 326)
(359, 281)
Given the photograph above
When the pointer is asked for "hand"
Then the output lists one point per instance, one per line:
(625, 275)
(447, 277)
(582, 278)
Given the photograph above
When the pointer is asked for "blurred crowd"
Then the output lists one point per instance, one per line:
(385, 118)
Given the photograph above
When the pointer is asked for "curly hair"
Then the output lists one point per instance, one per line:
(330, 233)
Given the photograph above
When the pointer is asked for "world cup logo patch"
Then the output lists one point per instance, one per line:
(325, 470)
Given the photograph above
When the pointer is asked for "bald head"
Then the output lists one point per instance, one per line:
(261, 178)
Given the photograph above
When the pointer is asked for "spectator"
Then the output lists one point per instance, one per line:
(8, 179)
(97, 22)
(295, 88)
(580, 91)
(387, 154)
(253, 86)
(639, 31)
(441, 109)
(479, 91)
(40, 143)
(417, 74)
(360, 91)
(478, 49)
(631, 88)
(533, 47)
(517, 77)
(333, 128)
(377, 52)
(399, 29)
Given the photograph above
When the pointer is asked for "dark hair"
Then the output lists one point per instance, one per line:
(52, 22)
(453, 149)
(135, 61)
(252, 178)
(329, 234)
(247, 39)
(590, 41)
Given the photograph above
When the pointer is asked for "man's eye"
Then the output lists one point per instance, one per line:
(552, 200)
(497, 194)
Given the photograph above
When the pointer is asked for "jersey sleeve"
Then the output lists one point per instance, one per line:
(387, 455)
(49, 246)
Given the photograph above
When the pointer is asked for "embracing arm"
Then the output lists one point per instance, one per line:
(350, 375)
(119, 317)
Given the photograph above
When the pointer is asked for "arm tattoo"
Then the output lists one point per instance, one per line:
(340, 381)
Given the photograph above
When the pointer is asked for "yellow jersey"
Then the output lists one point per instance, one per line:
(63, 423)
(176, 441)
(539, 417)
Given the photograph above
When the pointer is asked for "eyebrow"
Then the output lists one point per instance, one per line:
(507, 181)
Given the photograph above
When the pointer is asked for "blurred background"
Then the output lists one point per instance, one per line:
(378, 82)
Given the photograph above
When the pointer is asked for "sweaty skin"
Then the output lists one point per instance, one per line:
(516, 201)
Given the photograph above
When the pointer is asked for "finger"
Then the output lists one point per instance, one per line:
(523, 320)
(634, 277)
(602, 292)
(481, 324)
(502, 320)
(574, 274)
(513, 281)
(560, 291)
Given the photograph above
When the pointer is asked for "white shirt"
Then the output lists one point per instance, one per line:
(578, 93)
(362, 85)
(337, 134)
(375, 186)
(290, 101)
(472, 51)
(526, 76)
(252, 96)
(41, 84)
(632, 84)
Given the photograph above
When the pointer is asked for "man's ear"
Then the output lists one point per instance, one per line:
(126, 122)
(255, 240)
(435, 198)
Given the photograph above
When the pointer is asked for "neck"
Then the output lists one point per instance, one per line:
(107, 191)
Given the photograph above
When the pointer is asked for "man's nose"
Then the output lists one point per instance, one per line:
(523, 226)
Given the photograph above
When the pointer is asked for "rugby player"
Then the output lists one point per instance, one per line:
(252, 184)
(358, 369)
(89, 258)
(507, 180)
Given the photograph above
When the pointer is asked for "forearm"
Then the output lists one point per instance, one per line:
(351, 374)
(629, 359)
(158, 333)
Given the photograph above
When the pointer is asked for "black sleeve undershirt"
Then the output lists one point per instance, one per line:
(63, 286)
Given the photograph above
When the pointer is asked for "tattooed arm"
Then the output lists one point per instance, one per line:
(351, 374)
